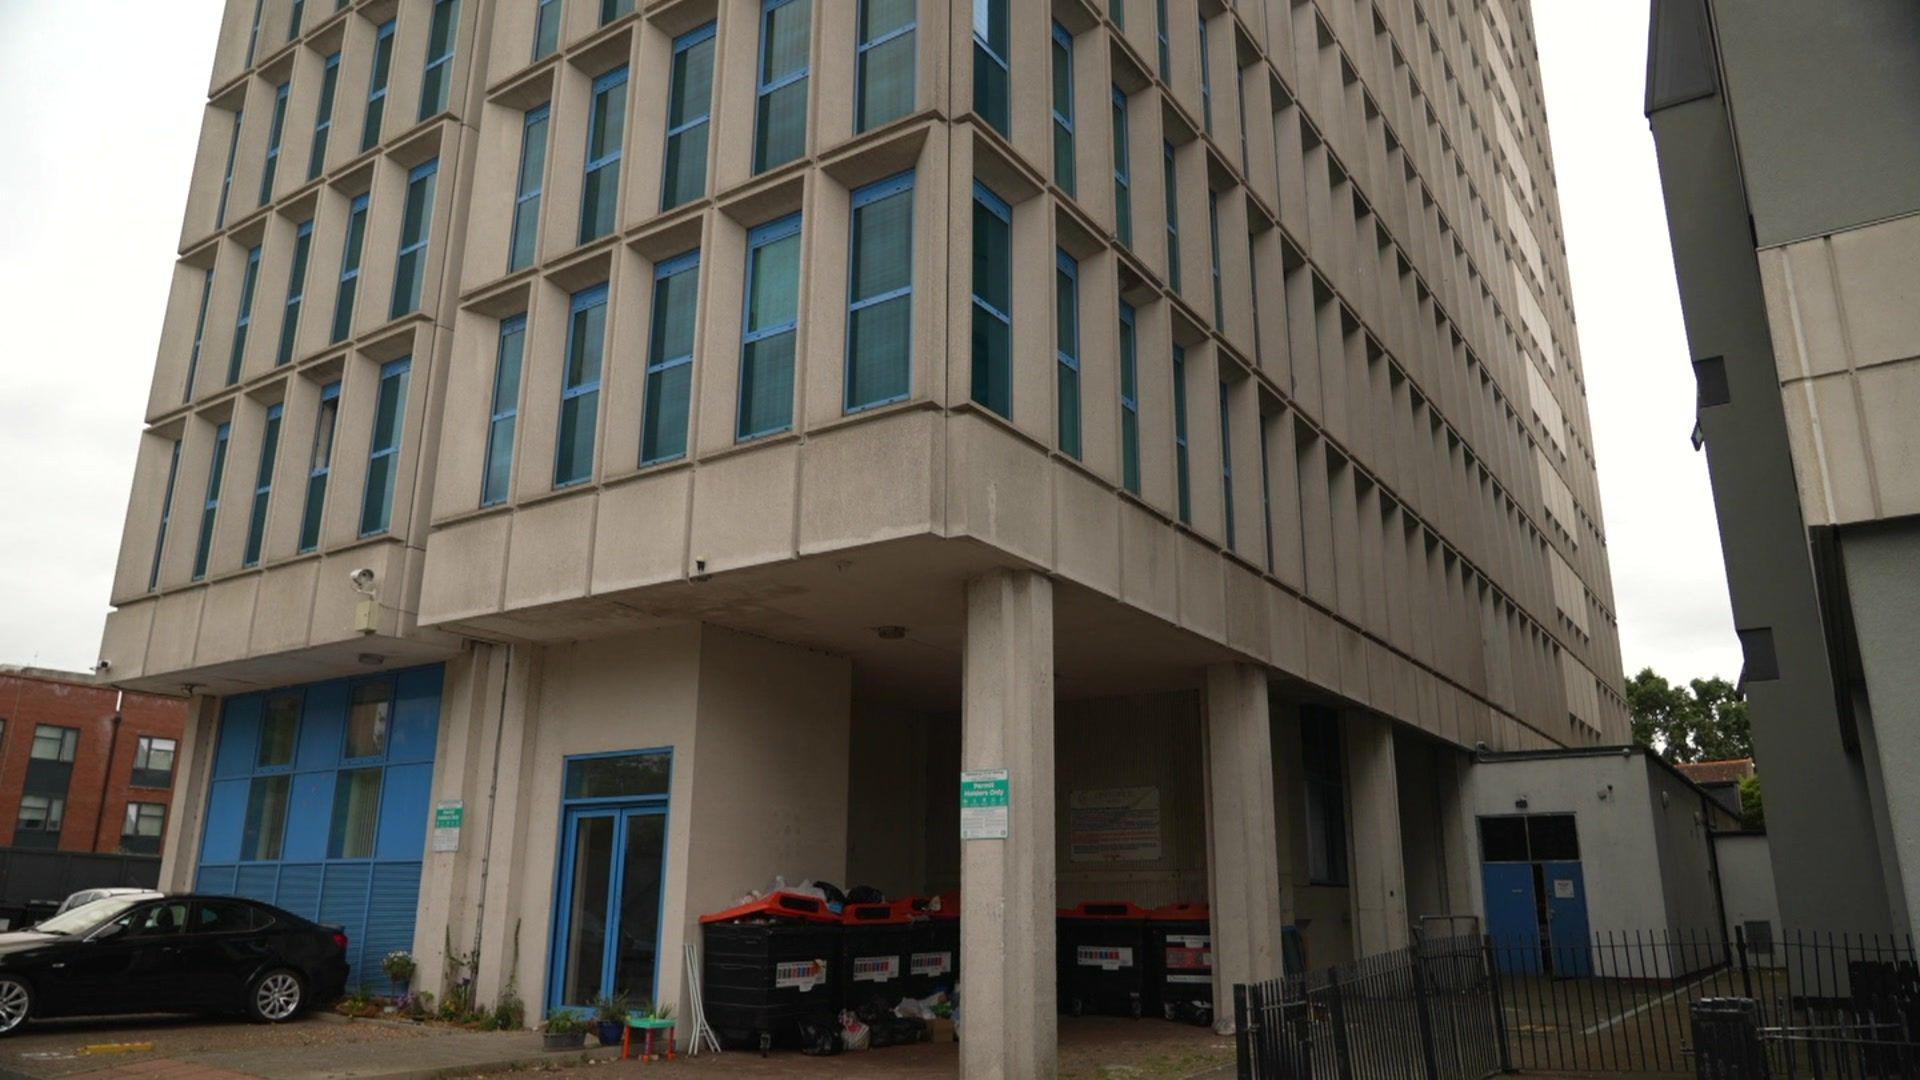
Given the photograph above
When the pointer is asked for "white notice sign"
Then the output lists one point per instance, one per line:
(983, 804)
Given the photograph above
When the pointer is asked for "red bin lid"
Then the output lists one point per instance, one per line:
(1184, 910)
(1104, 909)
(885, 913)
(778, 905)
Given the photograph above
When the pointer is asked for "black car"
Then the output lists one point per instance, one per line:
(147, 954)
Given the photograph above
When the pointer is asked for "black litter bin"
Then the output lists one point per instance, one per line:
(770, 966)
(934, 963)
(876, 942)
(1180, 963)
(1103, 947)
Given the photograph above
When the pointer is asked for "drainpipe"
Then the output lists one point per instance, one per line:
(106, 782)
(493, 788)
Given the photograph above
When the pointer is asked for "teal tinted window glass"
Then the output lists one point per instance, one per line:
(1067, 352)
(319, 466)
(166, 515)
(689, 115)
(992, 97)
(613, 9)
(226, 179)
(772, 317)
(377, 86)
(410, 269)
(497, 480)
(663, 431)
(438, 77)
(546, 28)
(383, 457)
(526, 200)
(350, 270)
(210, 507)
(262, 488)
(992, 301)
(1063, 172)
(884, 63)
(1122, 171)
(1226, 459)
(1180, 434)
(880, 294)
(618, 776)
(296, 293)
(780, 123)
(275, 132)
(323, 118)
(580, 386)
(606, 132)
(1172, 185)
(199, 336)
(1129, 401)
(244, 322)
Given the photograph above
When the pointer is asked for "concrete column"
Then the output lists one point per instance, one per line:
(192, 774)
(1243, 850)
(1458, 832)
(1379, 879)
(1007, 997)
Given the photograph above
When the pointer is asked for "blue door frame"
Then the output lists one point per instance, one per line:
(623, 812)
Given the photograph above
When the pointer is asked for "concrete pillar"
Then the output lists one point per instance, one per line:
(1379, 886)
(1243, 851)
(1007, 998)
(1458, 832)
(192, 775)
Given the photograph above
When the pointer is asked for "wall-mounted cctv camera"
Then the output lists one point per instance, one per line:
(362, 580)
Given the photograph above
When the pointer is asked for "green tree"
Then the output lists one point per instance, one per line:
(1753, 812)
(1706, 720)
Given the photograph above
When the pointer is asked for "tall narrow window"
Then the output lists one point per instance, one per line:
(1165, 43)
(1266, 495)
(1213, 234)
(434, 83)
(546, 29)
(377, 88)
(166, 516)
(613, 9)
(226, 179)
(1117, 11)
(323, 119)
(262, 488)
(663, 429)
(1172, 177)
(884, 59)
(1122, 171)
(1226, 458)
(498, 480)
(992, 97)
(199, 336)
(580, 386)
(1063, 108)
(350, 269)
(1253, 285)
(606, 134)
(296, 293)
(1240, 102)
(294, 16)
(1206, 80)
(880, 294)
(210, 507)
(253, 34)
(1067, 350)
(383, 455)
(319, 467)
(275, 132)
(772, 318)
(689, 110)
(1185, 493)
(780, 125)
(992, 301)
(1129, 400)
(244, 322)
(526, 200)
(1324, 768)
(410, 269)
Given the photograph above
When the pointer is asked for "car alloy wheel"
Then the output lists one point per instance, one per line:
(15, 1002)
(278, 995)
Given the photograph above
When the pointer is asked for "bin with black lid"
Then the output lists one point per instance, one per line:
(1180, 962)
(876, 941)
(934, 963)
(769, 966)
(1103, 946)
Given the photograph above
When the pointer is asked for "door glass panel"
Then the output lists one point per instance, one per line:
(586, 944)
(634, 959)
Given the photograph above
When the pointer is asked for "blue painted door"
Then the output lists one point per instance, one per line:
(608, 928)
(1513, 918)
(1567, 926)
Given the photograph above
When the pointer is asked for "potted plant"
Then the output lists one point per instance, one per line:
(398, 965)
(564, 1031)
(609, 1018)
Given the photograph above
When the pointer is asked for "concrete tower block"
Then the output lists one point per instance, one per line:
(1243, 851)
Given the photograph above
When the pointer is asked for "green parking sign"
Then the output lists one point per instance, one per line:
(984, 801)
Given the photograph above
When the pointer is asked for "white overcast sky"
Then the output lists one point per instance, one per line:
(94, 159)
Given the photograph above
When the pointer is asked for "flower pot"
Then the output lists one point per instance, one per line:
(563, 1040)
(609, 1031)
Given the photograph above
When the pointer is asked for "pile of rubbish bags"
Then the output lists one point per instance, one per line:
(836, 899)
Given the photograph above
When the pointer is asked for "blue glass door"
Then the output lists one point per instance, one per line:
(609, 913)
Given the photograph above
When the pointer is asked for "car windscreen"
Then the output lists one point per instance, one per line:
(87, 916)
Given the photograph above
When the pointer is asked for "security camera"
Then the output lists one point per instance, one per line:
(103, 666)
(362, 580)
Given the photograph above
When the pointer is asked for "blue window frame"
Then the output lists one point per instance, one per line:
(1213, 234)
(410, 268)
(780, 121)
(992, 301)
(1206, 79)
(610, 878)
(546, 28)
(689, 113)
(770, 324)
(253, 34)
(497, 482)
(614, 9)
(1129, 400)
(606, 134)
(580, 386)
(244, 321)
(1067, 350)
(262, 487)
(296, 293)
(438, 77)
(166, 516)
(377, 86)
(383, 455)
(350, 269)
(532, 182)
(319, 467)
(1122, 171)
(323, 119)
(1166, 44)
(226, 180)
(275, 132)
(294, 18)
(884, 62)
(1185, 493)
(1226, 458)
(1172, 185)
(1062, 49)
(1240, 103)
(199, 336)
(880, 294)
(210, 507)
(992, 94)
(663, 427)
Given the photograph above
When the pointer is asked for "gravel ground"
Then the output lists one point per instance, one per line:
(65, 1047)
